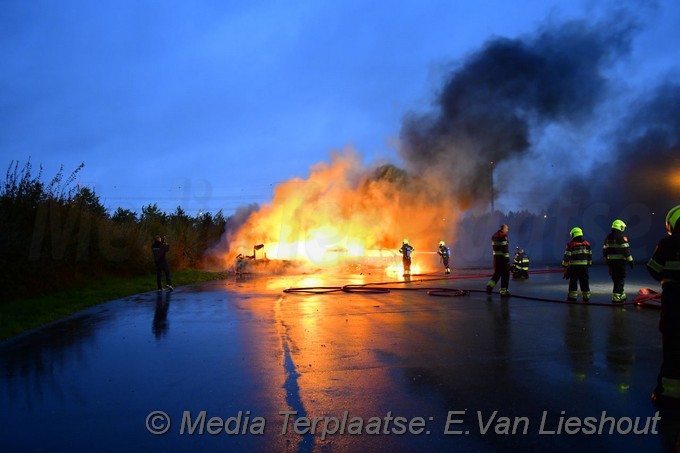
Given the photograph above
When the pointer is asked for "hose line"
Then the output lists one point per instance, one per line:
(382, 288)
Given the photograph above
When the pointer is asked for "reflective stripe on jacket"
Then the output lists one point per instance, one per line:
(616, 247)
(406, 250)
(578, 253)
(499, 243)
(522, 262)
(664, 265)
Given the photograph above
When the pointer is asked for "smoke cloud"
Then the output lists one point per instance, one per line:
(640, 181)
(501, 102)
(494, 111)
(646, 167)
(490, 107)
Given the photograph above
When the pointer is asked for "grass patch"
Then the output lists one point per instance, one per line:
(18, 316)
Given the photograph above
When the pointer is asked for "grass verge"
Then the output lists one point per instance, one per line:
(18, 316)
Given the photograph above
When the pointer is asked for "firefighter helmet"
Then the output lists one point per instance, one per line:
(575, 232)
(672, 219)
(618, 225)
(441, 244)
(405, 241)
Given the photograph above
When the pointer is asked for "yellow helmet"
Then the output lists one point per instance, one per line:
(575, 232)
(618, 225)
(672, 219)
(441, 244)
(405, 241)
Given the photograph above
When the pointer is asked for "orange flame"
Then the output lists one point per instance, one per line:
(345, 213)
(673, 180)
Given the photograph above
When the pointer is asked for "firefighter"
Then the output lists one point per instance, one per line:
(501, 261)
(406, 251)
(520, 264)
(578, 257)
(445, 253)
(616, 251)
(664, 266)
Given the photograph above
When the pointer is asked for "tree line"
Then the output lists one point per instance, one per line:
(57, 234)
(54, 235)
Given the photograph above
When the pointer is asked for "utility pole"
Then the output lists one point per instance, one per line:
(492, 191)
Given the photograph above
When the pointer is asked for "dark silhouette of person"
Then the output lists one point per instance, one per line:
(501, 261)
(406, 251)
(160, 248)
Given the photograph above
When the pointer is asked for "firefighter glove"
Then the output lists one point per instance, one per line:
(631, 264)
(566, 273)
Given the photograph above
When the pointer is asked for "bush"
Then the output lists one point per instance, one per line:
(56, 235)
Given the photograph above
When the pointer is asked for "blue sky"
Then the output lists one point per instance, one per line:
(210, 104)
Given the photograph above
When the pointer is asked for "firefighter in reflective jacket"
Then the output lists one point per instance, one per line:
(616, 252)
(664, 266)
(501, 261)
(578, 257)
(406, 251)
(520, 264)
(445, 254)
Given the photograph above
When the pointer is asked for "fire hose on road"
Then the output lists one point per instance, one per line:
(646, 298)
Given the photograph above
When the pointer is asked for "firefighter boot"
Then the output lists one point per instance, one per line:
(586, 296)
(573, 295)
(505, 292)
(489, 286)
(618, 298)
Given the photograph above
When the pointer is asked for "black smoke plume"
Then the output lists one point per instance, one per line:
(490, 106)
(646, 167)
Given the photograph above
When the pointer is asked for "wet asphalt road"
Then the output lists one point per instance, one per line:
(243, 366)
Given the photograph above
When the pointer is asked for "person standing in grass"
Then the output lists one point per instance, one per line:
(160, 248)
